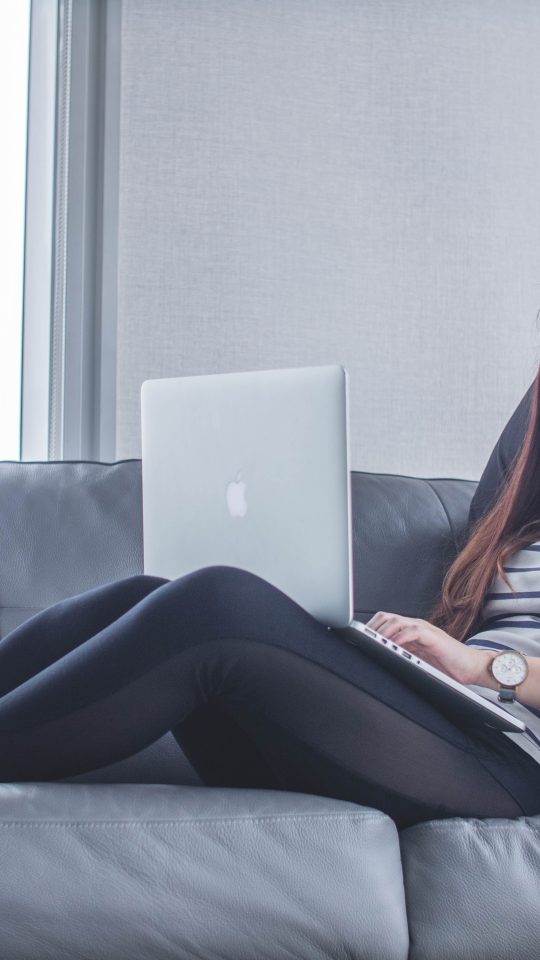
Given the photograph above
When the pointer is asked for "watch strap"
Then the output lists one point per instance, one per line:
(507, 694)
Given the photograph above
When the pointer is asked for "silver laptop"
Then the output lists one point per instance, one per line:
(252, 470)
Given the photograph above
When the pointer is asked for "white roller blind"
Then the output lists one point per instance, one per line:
(309, 181)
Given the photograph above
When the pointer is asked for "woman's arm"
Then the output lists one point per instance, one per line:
(466, 664)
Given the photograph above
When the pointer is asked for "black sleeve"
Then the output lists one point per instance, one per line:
(501, 457)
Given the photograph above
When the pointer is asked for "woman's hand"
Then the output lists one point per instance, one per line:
(468, 665)
(465, 664)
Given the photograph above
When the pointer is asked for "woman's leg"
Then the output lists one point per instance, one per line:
(322, 716)
(53, 632)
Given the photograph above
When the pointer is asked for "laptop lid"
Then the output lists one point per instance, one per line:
(251, 470)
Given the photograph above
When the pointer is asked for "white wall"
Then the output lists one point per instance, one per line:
(310, 181)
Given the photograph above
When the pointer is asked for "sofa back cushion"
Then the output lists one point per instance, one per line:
(66, 527)
(406, 533)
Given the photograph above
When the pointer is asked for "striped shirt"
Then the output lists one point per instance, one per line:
(511, 621)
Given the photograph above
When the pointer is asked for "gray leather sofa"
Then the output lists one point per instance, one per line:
(139, 860)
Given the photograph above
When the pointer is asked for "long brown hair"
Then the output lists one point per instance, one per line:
(512, 522)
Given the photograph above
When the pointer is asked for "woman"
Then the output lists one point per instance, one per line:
(260, 694)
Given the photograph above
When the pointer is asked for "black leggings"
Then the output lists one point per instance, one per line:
(257, 692)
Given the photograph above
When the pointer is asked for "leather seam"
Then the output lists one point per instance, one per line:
(443, 506)
(176, 820)
(479, 828)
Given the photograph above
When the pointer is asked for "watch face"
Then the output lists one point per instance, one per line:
(509, 668)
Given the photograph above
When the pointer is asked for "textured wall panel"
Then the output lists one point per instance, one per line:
(310, 181)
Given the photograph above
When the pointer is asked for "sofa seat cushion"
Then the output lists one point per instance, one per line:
(473, 888)
(165, 872)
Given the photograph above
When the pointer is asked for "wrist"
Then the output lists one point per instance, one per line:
(480, 674)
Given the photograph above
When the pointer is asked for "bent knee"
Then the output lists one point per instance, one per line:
(221, 576)
(220, 583)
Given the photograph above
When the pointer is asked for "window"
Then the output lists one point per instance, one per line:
(14, 46)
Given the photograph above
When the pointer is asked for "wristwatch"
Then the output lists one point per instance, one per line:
(509, 668)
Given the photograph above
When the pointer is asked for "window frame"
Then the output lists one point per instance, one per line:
(70, 277)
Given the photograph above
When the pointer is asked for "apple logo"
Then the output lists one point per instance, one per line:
(236, 497)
